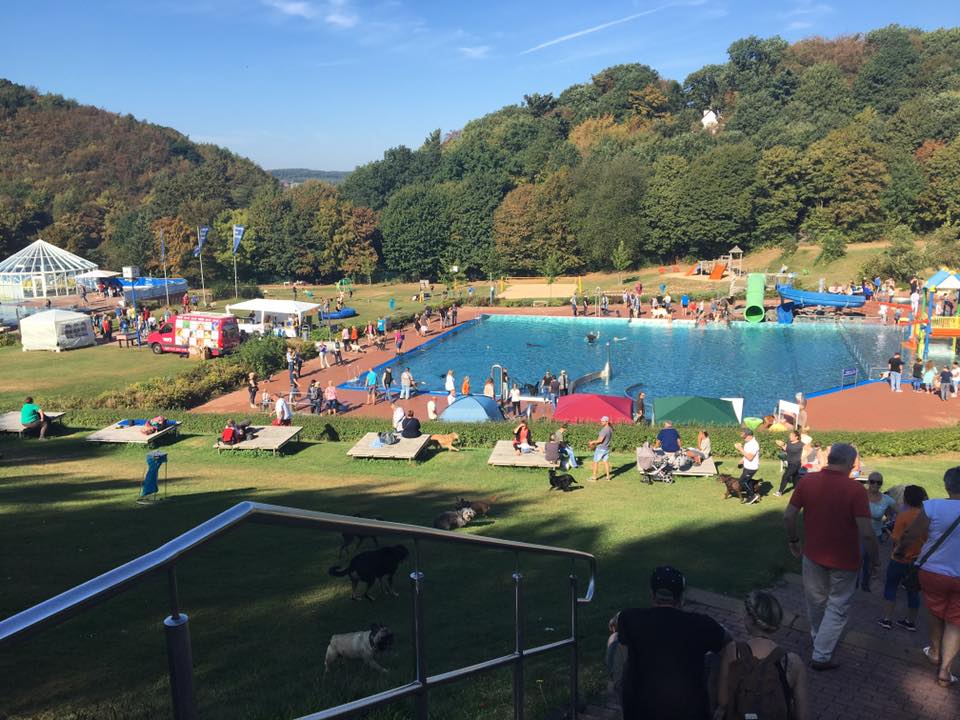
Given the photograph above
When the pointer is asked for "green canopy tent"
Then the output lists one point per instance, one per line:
(694, 410)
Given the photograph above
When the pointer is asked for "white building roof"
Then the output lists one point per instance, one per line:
(274, 307)
(41, 257)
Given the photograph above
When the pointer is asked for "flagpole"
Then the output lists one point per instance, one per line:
(203, 286)
(236, 287)
(163, 257)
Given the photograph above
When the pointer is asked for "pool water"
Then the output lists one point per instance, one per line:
(761, 363)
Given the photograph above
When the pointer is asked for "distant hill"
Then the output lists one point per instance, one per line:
(98, 183)
(299, 175)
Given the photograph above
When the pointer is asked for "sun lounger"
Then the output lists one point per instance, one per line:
(265, 437)
(131, 431)
(504, 455)
(10, 421)
(405, 449)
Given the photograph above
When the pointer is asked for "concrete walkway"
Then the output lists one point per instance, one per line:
(882, 673)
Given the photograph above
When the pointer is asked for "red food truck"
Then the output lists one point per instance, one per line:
(212, 333)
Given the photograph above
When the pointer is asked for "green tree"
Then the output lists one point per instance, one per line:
(621, 260)
(888, 77)
(779, 203)
(415, 228)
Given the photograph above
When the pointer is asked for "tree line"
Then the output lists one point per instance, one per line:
(825, 141)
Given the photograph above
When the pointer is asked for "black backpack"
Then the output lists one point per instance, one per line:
(759, 686)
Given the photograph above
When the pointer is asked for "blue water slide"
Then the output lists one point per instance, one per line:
(805, 298)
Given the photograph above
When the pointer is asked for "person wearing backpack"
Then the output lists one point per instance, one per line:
(757, 677)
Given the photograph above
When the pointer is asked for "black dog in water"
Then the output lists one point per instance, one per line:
(372, 566)
(564, 482)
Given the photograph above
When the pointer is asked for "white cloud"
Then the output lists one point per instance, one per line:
(808, 8)
(478, 52)
(341, 20)
(612, 23)
(293, 8)
(799, 25)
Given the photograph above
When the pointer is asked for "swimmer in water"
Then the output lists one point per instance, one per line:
(616, 339)
(592, 336)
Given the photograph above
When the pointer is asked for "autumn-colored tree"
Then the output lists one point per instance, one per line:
(650, 103)
(939, 202)
(180, 240)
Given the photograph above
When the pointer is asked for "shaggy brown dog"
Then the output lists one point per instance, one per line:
(447, 441)
(481, 508)
(731, 485)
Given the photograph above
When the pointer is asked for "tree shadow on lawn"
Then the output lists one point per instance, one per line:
(262, 605)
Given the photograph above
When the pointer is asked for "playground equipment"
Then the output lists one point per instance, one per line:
(754, 311)
(926, 326)
(731, 263)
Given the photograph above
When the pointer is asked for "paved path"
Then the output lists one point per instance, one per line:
(883, 673)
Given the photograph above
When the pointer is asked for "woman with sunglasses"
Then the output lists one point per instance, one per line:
(881, 507)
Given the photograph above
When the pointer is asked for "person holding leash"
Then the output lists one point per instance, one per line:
(601, 448)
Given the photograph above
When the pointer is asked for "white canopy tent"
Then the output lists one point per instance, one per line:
(56, 330)
(266, 316)
(97, 275)
(41, 270)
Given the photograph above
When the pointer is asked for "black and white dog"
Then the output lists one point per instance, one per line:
(453, 519)
(373, 566)
(363, 645)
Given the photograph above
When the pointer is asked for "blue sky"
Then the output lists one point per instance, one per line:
(329, 84)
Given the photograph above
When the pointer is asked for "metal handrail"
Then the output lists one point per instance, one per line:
(164, 559)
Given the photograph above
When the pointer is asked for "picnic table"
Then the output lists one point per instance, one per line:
(265, 437)
(404, 449)
(131, 431)
(504, 455)
(128, 339)
(10, 421)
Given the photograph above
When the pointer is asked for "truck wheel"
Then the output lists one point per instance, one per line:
(157, 348)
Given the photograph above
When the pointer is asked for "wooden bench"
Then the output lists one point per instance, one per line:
(130, 340)
(265, 437)
(132, 434)
(539, 303)
(10, 421)
(406, 449)
(504, 455)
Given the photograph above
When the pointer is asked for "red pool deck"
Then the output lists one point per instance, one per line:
(875, 407)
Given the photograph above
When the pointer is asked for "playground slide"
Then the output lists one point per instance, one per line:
(692, 270)
(754, 311)
(803, 298)
(718, 271)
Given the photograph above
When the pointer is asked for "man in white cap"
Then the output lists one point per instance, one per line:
(601, 448)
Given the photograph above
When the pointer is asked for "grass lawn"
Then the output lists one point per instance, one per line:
(83, 372)
(262, 605)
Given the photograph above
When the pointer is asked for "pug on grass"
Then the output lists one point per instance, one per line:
(363, 645)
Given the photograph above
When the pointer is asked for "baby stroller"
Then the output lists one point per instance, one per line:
(653, 465)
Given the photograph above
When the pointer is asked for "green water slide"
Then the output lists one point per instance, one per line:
(754, 311)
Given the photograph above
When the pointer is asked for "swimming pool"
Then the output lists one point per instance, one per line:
(762, 363)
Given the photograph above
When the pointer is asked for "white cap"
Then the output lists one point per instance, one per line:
(605, 419)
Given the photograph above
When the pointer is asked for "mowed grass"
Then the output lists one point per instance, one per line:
(83, 372)
(261, 603)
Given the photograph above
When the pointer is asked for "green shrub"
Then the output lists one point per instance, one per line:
(263, 355)
(9, 339)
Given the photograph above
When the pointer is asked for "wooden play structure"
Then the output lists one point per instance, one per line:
(927, 326)
(731, 264)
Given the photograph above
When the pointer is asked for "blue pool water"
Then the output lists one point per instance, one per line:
(761, 363)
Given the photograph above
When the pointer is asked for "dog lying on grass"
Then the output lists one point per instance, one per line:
(447, 441)
(373, 566)
(479, 507)
(363, 645)
(454, 519)
(563, 482)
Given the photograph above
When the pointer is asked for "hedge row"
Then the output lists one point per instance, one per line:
(484, 435)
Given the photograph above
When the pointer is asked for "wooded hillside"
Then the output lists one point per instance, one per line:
(825, 141)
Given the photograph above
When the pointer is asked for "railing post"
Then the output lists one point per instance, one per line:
(176, 628)
(574, 659)
(518, 690)
(416, 585)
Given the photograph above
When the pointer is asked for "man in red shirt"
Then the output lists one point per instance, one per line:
(836, 520)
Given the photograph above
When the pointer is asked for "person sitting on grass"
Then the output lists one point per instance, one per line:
(656, 656)
(902, 559)
(410, 426)
(758, 678)
(32, 417)
(523, 439)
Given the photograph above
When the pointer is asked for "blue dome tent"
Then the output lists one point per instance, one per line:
(472, 408)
